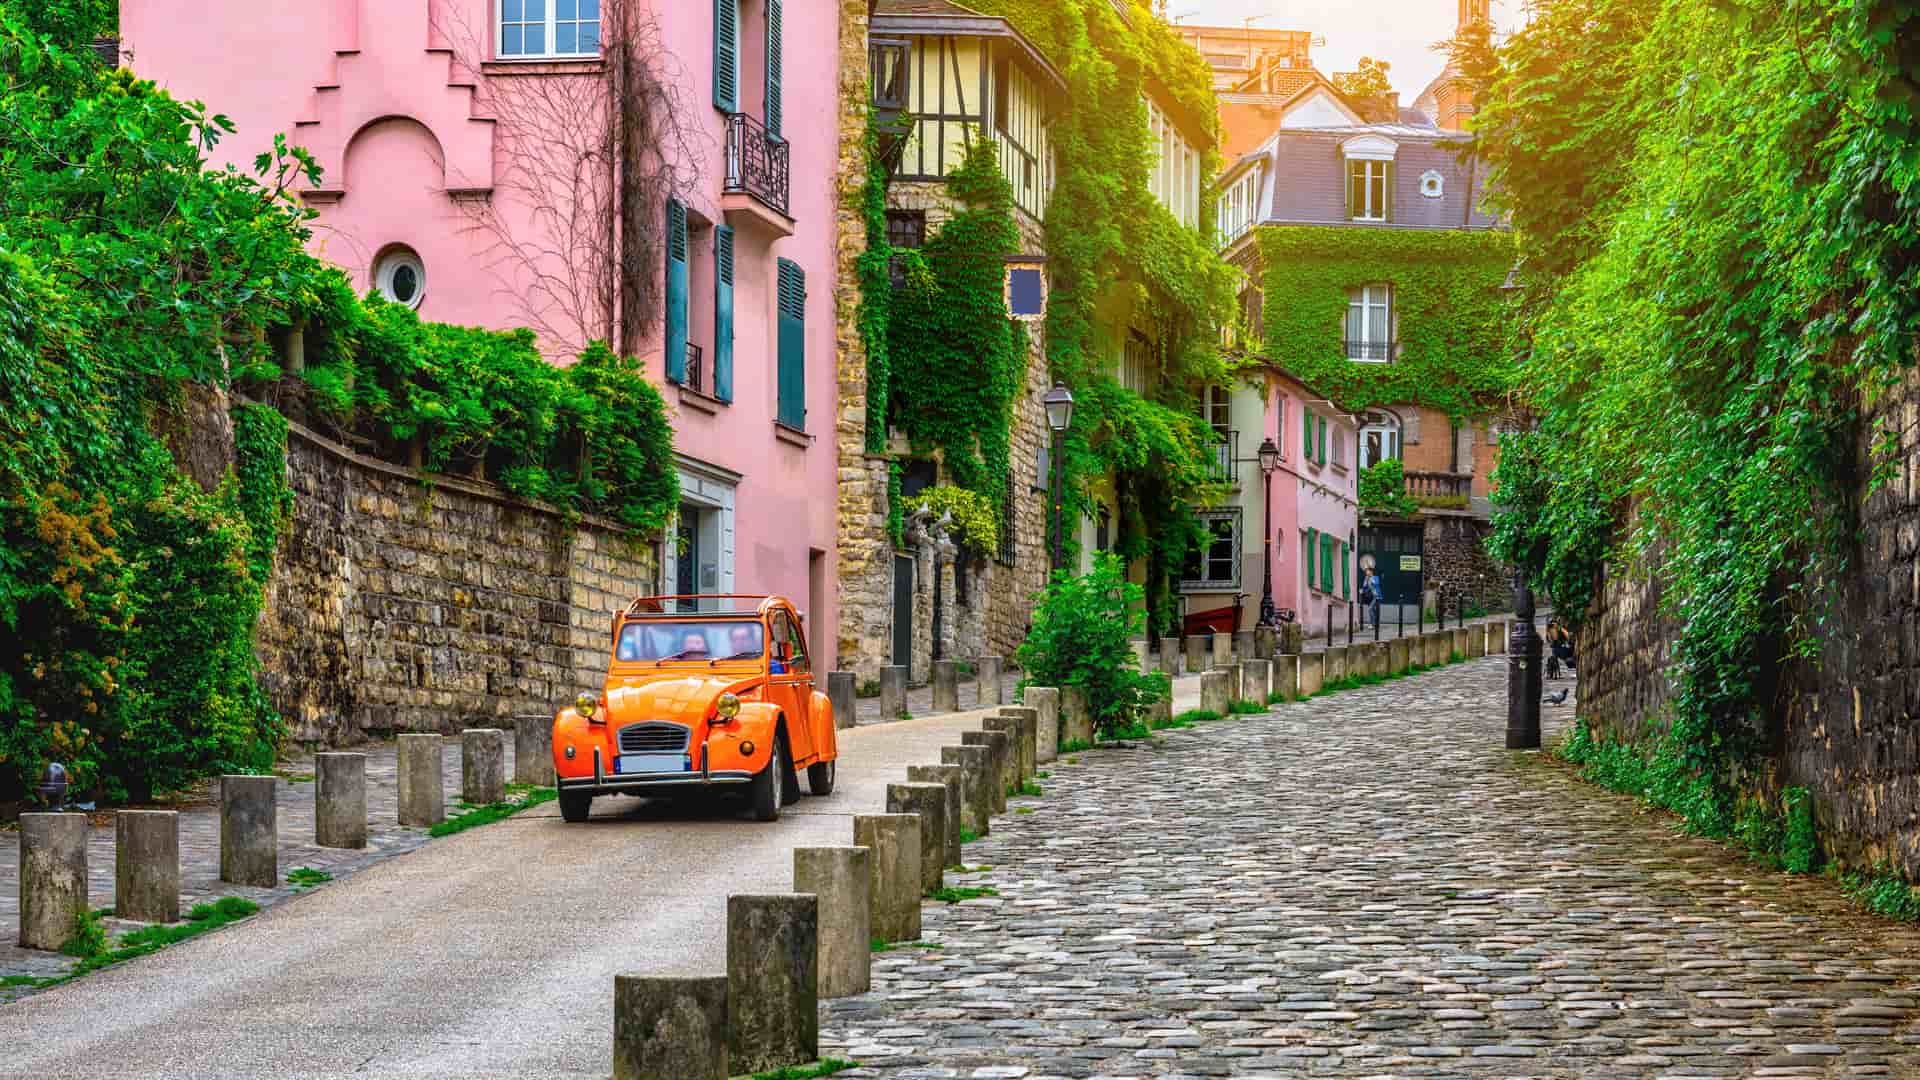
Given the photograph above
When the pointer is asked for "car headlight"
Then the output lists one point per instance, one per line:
(727, 707)
(585, 704)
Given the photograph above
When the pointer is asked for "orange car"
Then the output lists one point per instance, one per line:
(698, 701)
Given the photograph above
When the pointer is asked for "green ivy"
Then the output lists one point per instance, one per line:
(260, 472)
(1383, 490)
(976, 519)
(876, 293)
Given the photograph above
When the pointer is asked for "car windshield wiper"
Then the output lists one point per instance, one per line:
(750, 654)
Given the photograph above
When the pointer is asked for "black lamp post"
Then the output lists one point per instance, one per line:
(1269, 461)
(1523, 670)
(1059, 405)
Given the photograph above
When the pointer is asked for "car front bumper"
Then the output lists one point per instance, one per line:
(605, 783)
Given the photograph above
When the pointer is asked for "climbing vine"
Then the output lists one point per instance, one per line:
(876, 292)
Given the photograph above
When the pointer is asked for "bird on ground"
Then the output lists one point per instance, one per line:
(1559, 698)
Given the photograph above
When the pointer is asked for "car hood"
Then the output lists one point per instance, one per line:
(683, 699)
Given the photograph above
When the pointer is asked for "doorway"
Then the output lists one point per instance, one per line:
(903, 571)
(1398, 555)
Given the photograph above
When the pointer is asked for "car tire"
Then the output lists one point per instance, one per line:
(790, 790)
(820, 778)
(768, 792)
(575, 806)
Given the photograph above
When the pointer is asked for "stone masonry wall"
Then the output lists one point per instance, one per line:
(398, 606)
(1457, 563)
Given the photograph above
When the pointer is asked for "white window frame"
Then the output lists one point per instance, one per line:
(1208, 584)
(1136, 362)
(550, 10)
(1337, 446)
(1372, 170)
(392, 260)
(1367, 299)
(1392, 440)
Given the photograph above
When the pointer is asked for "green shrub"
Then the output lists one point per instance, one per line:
(1082, 637)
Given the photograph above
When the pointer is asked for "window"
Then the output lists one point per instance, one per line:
(1432, 184)
(1306, 434)
(400, 277)
(1379, 439)
(1136, 361)
(1280, 423)
(1219, 409)
(1369, 189)
(678, 286)
(548, 28)
(906, 229)
(791, 404)
(1174, 175)
(1339, 438)
(1237, 211)
(1309, 541)
(1346, 570)
(1327, 546)
(726, 55)
(1370, 324)
(1215, 562)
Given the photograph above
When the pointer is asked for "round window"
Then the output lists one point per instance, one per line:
(1432, 184)
(400, 277)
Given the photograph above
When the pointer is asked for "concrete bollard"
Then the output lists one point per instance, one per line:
(999, 754)
(1216, 691)
(1376, 658)
(1045, 701)
(1011, 728)
(988, 689)
(1460, 638)
(1160, 712)
(893, 864)
(1476, 641)
(1027, 738)
(1222, 649)
(670, 1027)
(249, 831)
(1266, 642)
(340, 800)
(1256, 681)
(893, 692)
(929, 803)
(1497, 637)
(1337, 668)
(842, 878)
(53, 878)
(1397, 656)
(1286, 674)
(773, 982)
(1197, 649)
(1439, 646)
(533, 750)
(423, 797)
(1236, 683)
(483, 766)
(1140, 653)
(947, 776)
(946, 686)
(1170, 656)
(1312, 673)
(976, 785)
(843, 694)
(1243, 644)
(1076, 717)
(146, 865)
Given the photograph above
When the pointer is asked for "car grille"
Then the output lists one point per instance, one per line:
(653, 738)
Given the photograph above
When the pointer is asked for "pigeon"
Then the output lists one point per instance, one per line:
(1559, 698)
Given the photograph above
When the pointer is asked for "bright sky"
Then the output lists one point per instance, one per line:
(1397, 31)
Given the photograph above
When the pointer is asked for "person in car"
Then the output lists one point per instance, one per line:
(693, 646)
(745, 644)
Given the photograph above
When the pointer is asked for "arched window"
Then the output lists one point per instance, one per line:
(1379, 438)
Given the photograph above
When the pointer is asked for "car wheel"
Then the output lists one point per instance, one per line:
(769, 784)
(575, 806)
(820, 778)
(790, 786)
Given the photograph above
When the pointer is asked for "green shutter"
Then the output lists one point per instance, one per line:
(1346, 579)
(726, 55)
(791, 409)
(1306, 436)
(1323, 440)
(1306, 554)
(1386, 197)
(1326, 563)
(676, 342)
(723, 312)
(773, 68)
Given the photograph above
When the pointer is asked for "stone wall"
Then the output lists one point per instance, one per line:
(401, 606)
(1456, 562)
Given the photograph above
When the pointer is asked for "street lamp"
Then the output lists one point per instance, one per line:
(1523, 670)
(1059, 405)
(1269, 461)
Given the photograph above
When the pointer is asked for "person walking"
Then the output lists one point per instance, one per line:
(1370, 596)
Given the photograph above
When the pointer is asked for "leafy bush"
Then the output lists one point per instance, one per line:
(976, 519)
(1082, 635)
(1383, 490)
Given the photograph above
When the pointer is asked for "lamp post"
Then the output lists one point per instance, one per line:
(1269, 461)
(1059, 405)
(1523, 670)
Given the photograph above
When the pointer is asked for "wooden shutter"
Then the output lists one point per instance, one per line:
(723, 312)
(676, 341)
(1386, 192)
(1306, 435)
(773, 68)
(1326, 563)
(1307, 554)
(1323, 440)
(1346, 578)
(726, 55)
(791, 408)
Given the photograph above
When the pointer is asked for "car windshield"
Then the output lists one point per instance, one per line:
(691, 639)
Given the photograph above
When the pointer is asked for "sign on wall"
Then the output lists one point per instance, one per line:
(1026, 287)
(1410, 562)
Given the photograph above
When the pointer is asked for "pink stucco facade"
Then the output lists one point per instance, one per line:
(432, 142)
(1311, 499)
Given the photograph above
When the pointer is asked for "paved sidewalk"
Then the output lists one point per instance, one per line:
(1368, 884)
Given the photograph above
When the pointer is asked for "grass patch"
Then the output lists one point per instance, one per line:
(1135, 730)
(1279, 697)
(968, 869)
(1196, 716)
(1028, 790)
(1881, 891)
(306, 877)
(807, 1072)
(1023, 809)
(529, 797)
(1243, 708)
(1075, 746)
(297, 778)
(904, 715)
(953, 894)
(1073, 760)
(18, 980)
(1041, 775)
(868, 689)
(89, 942)
(891, 946)
(1455, 657)
(968, 836)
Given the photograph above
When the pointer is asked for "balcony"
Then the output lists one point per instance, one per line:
(1221, 466)
(1439, 490)
(1370, 352)
(756, 188)
(696, 369)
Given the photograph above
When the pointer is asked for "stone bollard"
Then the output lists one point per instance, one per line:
(423, 797)
(340, 800)
(146, 865)
(893, 692)
(1196, 653)
(893, 864)
(1170, 656)
(1076, 717)
(1497, 637)
(670, 1027)
(1160, 712)
(843, 694)
(1266, 642)
(1215, 691)
(1439, 643)
(1256, 681)
(773, 982)
(1045, 701)
(1140, 653)
(533, 750)
(976, 785)
(1373, 658)
(946, 686)
(1243, 644)
(1337, 668)
(1222, 649)
(929, 803)
(53, 878)
(1312, 673)
(1293, 638)
(1027, 738)
(987, 683)
(1011, 728)
(1459, 645)
(947, 776)
(999, 752)
(1286, 674)
(842, 878)
(249, 831)
(1476, 641)
(1397, 656)
(1235, 681)
(483, 766)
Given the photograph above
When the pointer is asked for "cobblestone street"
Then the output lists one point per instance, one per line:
(1366, 884)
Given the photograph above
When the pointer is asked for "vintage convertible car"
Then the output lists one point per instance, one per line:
(697, 701)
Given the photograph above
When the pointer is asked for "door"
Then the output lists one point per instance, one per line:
(902, 611)
(790, 681)
(687, 562)
(1398, 555)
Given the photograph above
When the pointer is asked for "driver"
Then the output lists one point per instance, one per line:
(694, 646)
(744, 642)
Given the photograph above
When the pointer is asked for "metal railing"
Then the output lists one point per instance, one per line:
(757, 162)
(1439, 487)
(1370, 350)
(696, 369)
(1221, 466)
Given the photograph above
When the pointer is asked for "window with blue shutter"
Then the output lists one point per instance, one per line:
(726, 55)
(773, 68)
(791, 406)
(723, 312)
(676, 340)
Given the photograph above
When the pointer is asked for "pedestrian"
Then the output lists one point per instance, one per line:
(1370, 596)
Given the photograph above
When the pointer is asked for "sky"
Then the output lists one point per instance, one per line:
(1397, 31)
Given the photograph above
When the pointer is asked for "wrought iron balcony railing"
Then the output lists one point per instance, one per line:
(1221, 466)
(696, 369)
(756, 162)
(1376, 351)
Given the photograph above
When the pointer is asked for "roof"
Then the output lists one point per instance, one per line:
(1286, 81)
(945, 18)
(1305, 182)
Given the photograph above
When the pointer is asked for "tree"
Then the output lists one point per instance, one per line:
(1082, 636)
(1370, 81)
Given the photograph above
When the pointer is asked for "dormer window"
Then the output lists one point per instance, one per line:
(1369, 185)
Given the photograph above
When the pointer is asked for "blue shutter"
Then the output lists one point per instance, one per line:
(676, 340)
(773, 68)
(726, 55)
(723, 312)
(791, 408)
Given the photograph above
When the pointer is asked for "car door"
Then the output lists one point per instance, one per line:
(790, 680)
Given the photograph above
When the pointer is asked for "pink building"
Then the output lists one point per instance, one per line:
(1315, 503)
(632, 170)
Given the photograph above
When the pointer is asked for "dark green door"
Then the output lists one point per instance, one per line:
(1398, 555)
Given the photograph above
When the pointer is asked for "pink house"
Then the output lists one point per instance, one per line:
(657, 173)
(1315, 503)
